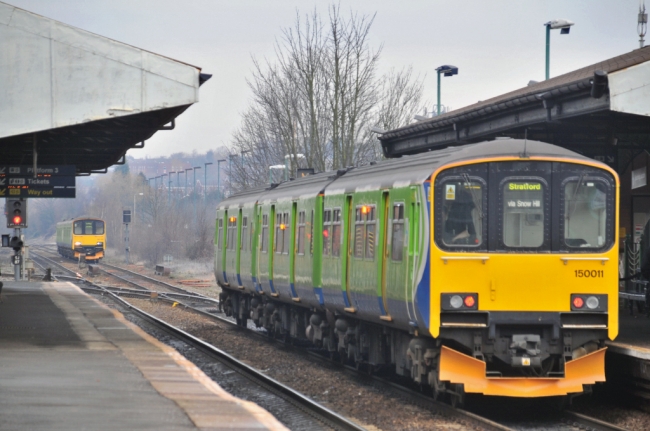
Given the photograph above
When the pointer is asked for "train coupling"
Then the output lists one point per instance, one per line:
(525, 351)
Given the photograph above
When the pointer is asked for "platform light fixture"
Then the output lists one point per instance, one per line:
(564, 25)
(446, 70)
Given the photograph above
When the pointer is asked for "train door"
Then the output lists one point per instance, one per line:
(347, 252)
(383, 256)
(238, 247)
(292, 251)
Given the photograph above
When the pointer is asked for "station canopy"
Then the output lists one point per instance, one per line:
(70, 97)
(601, 111)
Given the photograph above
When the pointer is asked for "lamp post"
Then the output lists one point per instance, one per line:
(169, 190)
(446, 70)
(194, 192)
(205, 180)
(186, 180)
(219, 178)
(230, 156)
(565, 26)
(178, 182)
(243, 166)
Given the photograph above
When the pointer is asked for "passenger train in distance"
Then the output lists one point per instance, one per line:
(82, 238)
(489, 268)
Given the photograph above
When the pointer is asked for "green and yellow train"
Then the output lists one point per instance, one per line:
(490, 268)
(81, 238)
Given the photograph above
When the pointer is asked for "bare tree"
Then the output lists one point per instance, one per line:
(315, 103)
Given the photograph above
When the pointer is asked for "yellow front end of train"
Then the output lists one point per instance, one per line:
(525, 284)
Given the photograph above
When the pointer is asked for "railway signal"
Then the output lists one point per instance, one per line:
(16, 210)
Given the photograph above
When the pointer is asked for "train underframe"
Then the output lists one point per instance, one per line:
(517, 355)
(83, 253)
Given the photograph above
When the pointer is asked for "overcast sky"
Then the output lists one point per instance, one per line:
(498, 45)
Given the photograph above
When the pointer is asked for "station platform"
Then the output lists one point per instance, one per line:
(633, 335)
(68, 362)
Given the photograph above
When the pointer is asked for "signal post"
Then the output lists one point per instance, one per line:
(16, 211)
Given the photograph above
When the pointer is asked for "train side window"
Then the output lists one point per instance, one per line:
(301, 233)
(278, 233)
(265, 233)
(327, 232)
(232, 233)
(336, 232)
(99, 227)
(523, 213)
(78, 228)
(397, 236)
(585, 213)
(219, 234)
(358, 233)
(244, 232)
(286, 231)
(371, 228)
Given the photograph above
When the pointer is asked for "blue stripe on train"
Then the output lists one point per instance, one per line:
(293, 290)
(239, 280)
(271, 286)
(319, 295)
(225, 277)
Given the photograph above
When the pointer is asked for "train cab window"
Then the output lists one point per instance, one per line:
(523, 213)
(219, 233)
(585, 213)
(462, 213)
(99, 227)
(397, 235)
(244, 232)
(301, 233)
(265, 233)
(78, 228)
(327, 232)
(336, 232)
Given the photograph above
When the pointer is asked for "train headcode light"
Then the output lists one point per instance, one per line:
(126, 216)
(16, 210)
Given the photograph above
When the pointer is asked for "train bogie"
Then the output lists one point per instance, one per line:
(478, 269)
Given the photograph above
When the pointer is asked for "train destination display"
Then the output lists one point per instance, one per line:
(50, 181)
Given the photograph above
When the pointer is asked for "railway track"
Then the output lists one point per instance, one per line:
(566, 420)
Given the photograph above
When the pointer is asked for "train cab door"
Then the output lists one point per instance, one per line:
(346, 247)
(292, 251)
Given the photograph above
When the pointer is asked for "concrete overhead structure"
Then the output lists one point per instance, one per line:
(80, 98)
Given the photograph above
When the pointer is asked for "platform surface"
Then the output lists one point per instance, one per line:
(633, 335)
(68, 362)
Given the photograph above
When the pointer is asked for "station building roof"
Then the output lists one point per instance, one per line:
(608, 120)
(77, 98)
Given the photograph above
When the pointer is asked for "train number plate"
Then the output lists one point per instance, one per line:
(586, 273)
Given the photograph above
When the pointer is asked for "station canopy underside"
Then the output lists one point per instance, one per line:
(601, 111)
(71, 97)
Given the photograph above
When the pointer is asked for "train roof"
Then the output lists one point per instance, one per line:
(399, 172)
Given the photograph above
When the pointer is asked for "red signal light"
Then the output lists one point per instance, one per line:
(578, 302)
(17, 219)
(326, 233)
(469, 301)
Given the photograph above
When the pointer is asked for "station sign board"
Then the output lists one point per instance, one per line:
(50, 182)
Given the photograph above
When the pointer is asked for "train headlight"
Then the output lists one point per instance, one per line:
(588, 302)
(99, 243)
(78, 243)
(456, 301)
(592, 303)
(459, 301)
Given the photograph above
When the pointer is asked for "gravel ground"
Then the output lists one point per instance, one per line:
(627, 412)
(360, 400)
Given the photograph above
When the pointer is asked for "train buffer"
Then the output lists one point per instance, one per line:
(161, 270)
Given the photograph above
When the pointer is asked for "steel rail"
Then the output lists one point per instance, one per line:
(585, 422)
